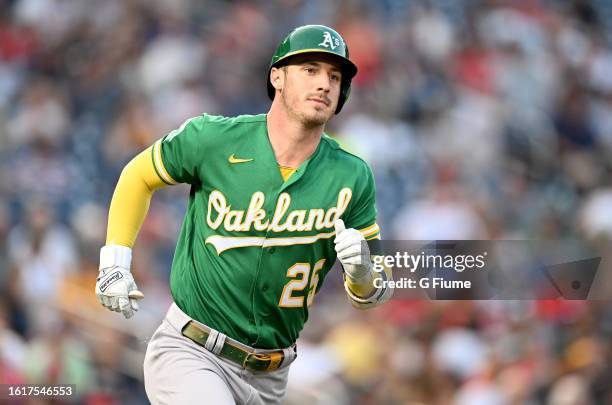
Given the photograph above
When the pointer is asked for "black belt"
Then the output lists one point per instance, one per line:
(247, 359)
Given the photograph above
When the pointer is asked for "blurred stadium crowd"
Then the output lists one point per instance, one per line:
(483, 119)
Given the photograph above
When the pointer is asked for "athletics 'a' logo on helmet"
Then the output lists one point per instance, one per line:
(328, 42)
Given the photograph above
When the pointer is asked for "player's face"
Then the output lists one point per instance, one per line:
(311, 89)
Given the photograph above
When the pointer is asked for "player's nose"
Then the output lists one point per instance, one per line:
(323, 82)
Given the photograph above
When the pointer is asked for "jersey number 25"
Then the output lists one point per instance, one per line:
(299, 273)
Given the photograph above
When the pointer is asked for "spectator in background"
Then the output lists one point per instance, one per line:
(12, 351)
(43, 253)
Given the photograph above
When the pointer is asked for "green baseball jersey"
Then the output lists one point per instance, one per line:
(254, 249)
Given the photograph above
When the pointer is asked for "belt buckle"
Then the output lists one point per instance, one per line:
(263, 361)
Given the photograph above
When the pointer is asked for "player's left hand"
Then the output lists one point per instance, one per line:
(352, 251)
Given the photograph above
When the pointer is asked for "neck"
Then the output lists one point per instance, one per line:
(291, 141)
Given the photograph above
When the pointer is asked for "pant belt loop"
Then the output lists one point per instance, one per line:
(211, 341)
(219, 343)
(289, 354)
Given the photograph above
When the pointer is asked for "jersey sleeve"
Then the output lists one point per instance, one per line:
(363, 215)
(178, 155)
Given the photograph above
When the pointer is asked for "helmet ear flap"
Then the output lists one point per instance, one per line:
(345, 92)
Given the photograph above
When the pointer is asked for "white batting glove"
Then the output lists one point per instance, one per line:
(115, 285)
(352, 252)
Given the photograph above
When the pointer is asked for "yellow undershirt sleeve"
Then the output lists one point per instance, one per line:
(131, 199)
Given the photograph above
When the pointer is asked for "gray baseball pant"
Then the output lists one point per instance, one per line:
(178, 371)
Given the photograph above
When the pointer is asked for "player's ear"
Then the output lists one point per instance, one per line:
(277, 78)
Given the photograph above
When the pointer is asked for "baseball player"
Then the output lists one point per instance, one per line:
(273, 202)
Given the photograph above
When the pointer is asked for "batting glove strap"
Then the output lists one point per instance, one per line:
(358, 274)
(379, 296)
(115, 256)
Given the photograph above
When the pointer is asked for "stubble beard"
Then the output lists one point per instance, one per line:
(309, 121)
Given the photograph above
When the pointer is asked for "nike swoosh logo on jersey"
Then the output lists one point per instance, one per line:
(234, 159)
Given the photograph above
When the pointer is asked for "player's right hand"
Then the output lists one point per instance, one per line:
(115, 285)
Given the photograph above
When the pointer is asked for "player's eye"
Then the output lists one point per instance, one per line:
(335, 77)
(309, 69)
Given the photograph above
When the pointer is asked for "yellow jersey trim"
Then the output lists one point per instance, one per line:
(159, 164)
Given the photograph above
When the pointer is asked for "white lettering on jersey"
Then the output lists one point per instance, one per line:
(220, 213)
